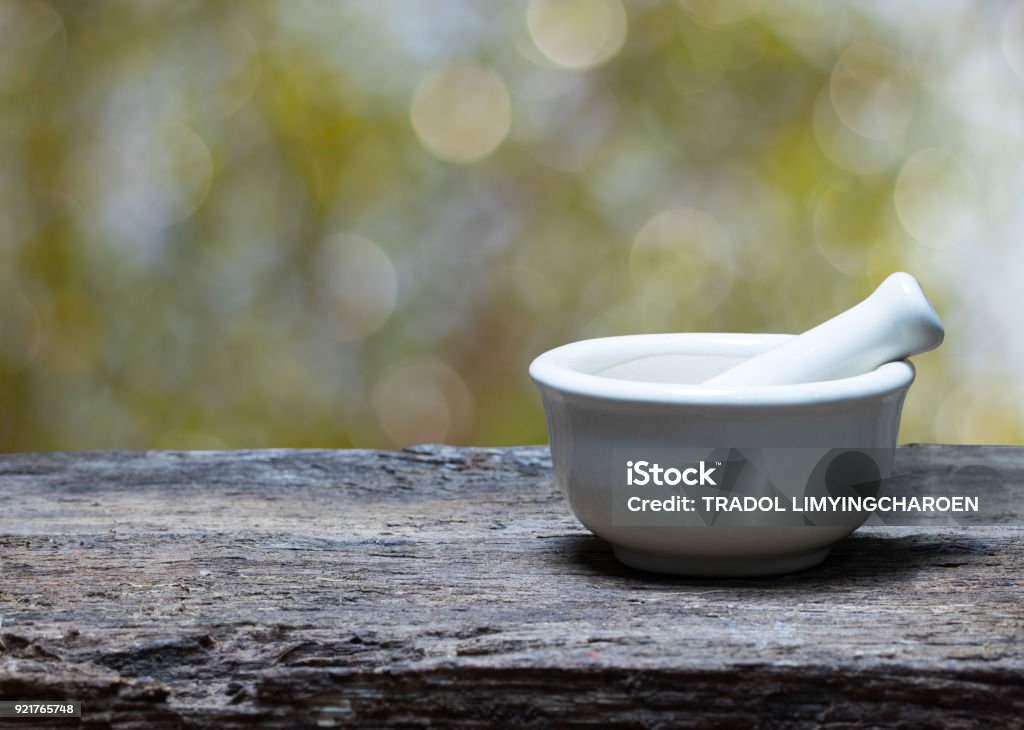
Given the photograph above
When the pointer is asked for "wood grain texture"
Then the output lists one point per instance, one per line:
(450, 586)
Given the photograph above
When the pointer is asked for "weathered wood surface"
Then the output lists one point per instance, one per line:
(452, 586)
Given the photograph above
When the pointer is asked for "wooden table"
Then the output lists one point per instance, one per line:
(450, 586)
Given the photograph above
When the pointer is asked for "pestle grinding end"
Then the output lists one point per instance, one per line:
(894, 322)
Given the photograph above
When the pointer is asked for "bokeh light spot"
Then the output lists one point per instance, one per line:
(682, 264)
(461, 113)
(577, 34)
(166, 173)
(422, 400)
(33, 44)
(872, 91)
(357, 284)
(846, 148)
(678, 237)
(935, 199)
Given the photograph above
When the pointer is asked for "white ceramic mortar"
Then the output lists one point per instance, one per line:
(644, 391)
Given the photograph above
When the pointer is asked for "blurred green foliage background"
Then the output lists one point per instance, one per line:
(244, 224)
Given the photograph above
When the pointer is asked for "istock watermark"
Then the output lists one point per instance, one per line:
(640, 473)
(787, 486)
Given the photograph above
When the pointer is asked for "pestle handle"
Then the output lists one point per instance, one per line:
(894, 322)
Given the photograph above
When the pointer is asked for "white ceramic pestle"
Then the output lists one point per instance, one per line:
(896, 321)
